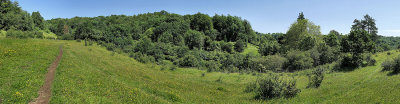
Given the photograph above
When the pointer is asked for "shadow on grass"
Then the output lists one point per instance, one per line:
(345, 69)
(393, 73)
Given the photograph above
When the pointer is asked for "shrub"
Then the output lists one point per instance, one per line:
(214, 45)
(194, 39)
(392, 65)
(227, 47)
(240, 46)
(298, 60)
(269, 48)
(316, 77)
(272, 86)
(368, 59)
(188, 61)
(16, 34)
(272, 62)
(91, 42)
(3, 33)
(350, 60)
(38, 34)
(212, 66)
(388, 65)
(109, 46)
(143, 58)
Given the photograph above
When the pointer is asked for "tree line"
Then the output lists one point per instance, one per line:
(215, 43)
(212, 43)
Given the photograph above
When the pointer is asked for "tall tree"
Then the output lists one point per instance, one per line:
(302, 35)
(301, 16)
(201, 22)
(38, 20)
(332, 38)
(367, 24)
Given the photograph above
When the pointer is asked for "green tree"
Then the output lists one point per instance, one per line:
(38, 20)
(240, 46)
(269, 48)
(194, 39)
(367, 24)
(298, 60)
(302, 35)
(332, 38)
(227, 47)
(301, 16)
(201, 22)
(144, 46)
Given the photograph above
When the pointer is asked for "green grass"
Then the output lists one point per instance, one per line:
(94, 75)
(23, 64)
(49, 35)
(251, 49)
(3, 34)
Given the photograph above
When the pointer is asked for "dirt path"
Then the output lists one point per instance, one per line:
(45, 90)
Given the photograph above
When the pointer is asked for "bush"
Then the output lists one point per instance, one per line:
(227, 47)
(272, 86)
(269, 48)
(16, 34)
(392, 65)
(240, 46)
(350, 60)
(38, 34)
(188, 61)
(368, 60)
(298, 60)
(272, 63)
(109, 46)
(143, 58)
(215, 46)
(3, 33)
(213, 66)
(316, 77)
(388, 65)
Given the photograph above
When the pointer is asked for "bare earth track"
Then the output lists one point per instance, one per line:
(45, 90)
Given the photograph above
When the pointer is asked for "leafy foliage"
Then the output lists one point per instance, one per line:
(298, 60)
(272, 86)
(392, 65)
(240, 46)
(315, 78)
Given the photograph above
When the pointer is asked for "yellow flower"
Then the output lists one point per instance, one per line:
(18, 94)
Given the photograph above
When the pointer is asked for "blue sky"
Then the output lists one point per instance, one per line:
(266, 16)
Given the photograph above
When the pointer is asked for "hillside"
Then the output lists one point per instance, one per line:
(91, 74)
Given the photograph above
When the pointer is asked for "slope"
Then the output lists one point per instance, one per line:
(91, 74)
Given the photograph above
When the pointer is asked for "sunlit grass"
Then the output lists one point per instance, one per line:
(3, 34)
(23, 64)
(91, 74)
(251, 49)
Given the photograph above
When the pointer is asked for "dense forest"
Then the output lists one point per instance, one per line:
(212, 43)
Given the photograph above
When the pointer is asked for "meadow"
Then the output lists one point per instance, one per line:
(91, 74)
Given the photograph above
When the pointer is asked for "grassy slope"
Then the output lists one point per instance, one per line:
(94, 75)
(3, 34)
(23, 64)
(251, 49)
(363, 85)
